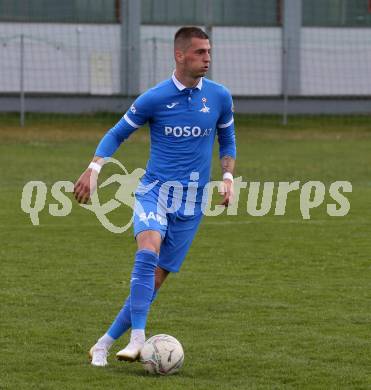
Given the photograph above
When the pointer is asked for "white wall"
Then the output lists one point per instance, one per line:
(59, 57)
(336, 61)
(69, 58)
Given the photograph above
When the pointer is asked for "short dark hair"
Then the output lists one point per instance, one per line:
(186, 33)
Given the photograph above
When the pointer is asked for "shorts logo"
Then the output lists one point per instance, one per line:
(187, 131)
(154, 216)
(133, 109)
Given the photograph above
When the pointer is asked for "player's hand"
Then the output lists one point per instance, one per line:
(226, 190)
(85, 186)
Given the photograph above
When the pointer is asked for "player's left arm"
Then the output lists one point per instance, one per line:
(227, 148)
(226, 186)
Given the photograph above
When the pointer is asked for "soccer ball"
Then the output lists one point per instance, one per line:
(162, 354)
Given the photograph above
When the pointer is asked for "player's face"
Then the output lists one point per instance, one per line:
(196, 58)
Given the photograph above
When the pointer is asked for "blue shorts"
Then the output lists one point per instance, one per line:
(177, 224)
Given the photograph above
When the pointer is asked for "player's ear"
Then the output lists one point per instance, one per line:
(179, 56)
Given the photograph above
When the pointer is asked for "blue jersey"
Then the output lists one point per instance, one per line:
(183, 125)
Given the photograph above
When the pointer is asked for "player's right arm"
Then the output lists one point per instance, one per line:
(135, 117)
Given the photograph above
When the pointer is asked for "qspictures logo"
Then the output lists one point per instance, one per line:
(260, 198)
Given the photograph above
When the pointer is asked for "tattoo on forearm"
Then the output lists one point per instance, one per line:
(227, 164)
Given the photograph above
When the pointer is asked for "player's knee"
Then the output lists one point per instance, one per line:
(149, 240)
(149, 246)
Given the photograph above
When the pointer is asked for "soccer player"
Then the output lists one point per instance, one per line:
(185, 114)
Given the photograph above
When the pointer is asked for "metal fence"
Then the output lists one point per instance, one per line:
(270, 52)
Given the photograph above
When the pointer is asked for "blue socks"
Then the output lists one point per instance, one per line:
(122, 321)
(142, 287)
(142, 293)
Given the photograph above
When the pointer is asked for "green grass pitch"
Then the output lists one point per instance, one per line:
(272, 302)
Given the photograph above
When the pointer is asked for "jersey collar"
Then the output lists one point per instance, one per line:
(180, 86)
